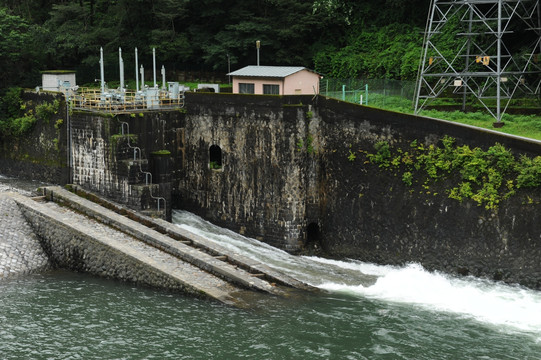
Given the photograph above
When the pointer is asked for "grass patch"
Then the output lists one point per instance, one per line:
(521, 125)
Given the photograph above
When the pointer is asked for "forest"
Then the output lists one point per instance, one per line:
(337, 38)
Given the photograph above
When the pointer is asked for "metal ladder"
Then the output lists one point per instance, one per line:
(148, 175)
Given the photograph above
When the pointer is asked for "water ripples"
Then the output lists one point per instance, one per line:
(407, 313)
(63, 315)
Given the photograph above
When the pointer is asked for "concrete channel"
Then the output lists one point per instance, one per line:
(84, 232)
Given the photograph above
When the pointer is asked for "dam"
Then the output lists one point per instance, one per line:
(300, 173)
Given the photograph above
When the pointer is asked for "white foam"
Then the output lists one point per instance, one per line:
(510, 307)
(486, 301)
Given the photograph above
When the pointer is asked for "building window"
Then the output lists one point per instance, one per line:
(246, 88)
(215, 157)
(271, 89)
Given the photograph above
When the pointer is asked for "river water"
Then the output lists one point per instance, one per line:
(408, 313)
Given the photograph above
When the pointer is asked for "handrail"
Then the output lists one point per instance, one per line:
(115, 101)
(147, 174)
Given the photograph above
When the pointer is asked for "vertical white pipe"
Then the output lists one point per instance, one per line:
(121, 68)
(102, 76)
(136, 71)
(142, 77)
(163, 77)
(154, 64)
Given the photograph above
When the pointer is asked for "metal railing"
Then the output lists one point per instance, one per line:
(383, 93)
(136, 151)
(120, 101)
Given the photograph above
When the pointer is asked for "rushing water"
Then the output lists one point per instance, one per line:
(408, 313)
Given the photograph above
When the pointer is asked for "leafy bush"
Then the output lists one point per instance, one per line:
(351, 156)
(485, 177)
(382, 157)
(407, 178)
(46, 110)
(14, 121)
(21, 125)
(529, 172)
(58, 124)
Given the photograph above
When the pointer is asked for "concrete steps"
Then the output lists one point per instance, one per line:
(193, 240)
(201, 266)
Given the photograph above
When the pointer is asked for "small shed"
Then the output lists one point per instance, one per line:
(57, 80)
(275, 80)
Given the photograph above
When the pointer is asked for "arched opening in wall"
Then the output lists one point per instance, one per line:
(313, 236)
(215, 157)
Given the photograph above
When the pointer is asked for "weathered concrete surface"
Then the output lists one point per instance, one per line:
(113, 156)
(267, 186)
(190, 254)
(369, 213)
(286, 179)
(20, 249)
(239, 261)
(75, 242)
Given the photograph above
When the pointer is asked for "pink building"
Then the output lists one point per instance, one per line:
(275, 80)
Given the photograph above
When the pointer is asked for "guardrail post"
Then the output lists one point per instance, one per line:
(366, 95)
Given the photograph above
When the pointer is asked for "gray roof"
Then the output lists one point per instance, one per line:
(268, 71)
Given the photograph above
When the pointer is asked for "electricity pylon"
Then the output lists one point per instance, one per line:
(479, 48)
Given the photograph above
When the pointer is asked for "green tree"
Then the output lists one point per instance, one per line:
(14, 53)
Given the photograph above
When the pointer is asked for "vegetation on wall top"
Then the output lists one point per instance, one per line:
(16, 120)
(484, 176)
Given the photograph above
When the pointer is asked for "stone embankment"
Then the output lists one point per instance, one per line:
(81, 235)
(20, 250)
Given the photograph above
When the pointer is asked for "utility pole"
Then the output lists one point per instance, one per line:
(258, 45)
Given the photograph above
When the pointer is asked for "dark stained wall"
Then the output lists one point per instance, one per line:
(370, 214)
(286, 169)
(285, 178)
(266, 185)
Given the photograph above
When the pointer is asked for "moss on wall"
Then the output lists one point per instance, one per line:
(38, 149)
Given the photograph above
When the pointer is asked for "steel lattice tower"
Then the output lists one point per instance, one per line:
(489, 61)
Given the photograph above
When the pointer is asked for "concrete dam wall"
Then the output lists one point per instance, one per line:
(370, 213)
(287, 176)
(298, 172)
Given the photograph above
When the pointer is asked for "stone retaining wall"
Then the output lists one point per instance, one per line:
(20, 250)
(286, 177)
(42, 153)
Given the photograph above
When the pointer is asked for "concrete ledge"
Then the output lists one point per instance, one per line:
(202, 260)
(74, 245)
(173, 231)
